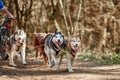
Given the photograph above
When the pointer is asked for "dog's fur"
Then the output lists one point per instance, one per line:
(16, 45)
(39, 41)
(53, 44)
(70, 51)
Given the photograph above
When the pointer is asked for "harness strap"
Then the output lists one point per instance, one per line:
(72, 52)
(53, 46)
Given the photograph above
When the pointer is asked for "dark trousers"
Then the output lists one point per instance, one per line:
(2, 52)
(0, 41)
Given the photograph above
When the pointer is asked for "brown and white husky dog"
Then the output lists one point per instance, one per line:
(39, 41)
(16, 46)
(72, 47)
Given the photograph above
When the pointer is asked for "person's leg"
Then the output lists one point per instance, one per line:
(0, 43)
(2, 52)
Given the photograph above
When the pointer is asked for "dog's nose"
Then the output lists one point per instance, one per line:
(76, 45)
(58, 40)
(19, 38)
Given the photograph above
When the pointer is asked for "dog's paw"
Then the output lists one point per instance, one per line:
(50, 66)
(12, 64)
(24, 62)
(71, 71)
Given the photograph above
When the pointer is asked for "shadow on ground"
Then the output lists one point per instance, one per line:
(37, 68)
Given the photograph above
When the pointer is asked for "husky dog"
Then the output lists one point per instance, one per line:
(16, 45)
(39, 41)
(70, 51)
(53, 44)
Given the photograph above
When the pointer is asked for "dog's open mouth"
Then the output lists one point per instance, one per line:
(19, 42)
(76, 48)
(57, 43)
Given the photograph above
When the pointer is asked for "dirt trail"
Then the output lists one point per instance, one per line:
(36, 70)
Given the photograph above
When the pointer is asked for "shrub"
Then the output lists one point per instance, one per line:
(102, 58)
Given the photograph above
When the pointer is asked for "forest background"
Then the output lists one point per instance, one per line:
(96, 22)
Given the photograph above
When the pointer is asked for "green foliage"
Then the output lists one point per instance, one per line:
(102, 58)
(86, 57)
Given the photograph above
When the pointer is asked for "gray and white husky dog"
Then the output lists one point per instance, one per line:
(53, 44)
(16, 45)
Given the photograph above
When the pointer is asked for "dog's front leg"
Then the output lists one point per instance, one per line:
(47, 52)
(49, 60)
(23, 55)
(11, 62)
(55, 61)
(69, 62)
(60, 59)
(18, 56)
(37, 51)
(69, 65)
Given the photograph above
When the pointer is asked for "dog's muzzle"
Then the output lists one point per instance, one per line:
(76, 47)
(19, 42)
(58, 42)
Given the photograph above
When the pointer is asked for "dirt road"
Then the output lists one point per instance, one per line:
(36, 70)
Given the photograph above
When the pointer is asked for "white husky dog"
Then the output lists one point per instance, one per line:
(53, 44)
(70, 51)
(16, 45)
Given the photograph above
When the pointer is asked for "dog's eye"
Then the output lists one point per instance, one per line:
(73, 40)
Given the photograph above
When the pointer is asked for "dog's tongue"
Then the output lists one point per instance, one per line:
(57, 43)
(19, 43)
(76, 48)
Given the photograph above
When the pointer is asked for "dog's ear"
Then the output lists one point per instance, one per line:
(22, 29)
(55, 32)
(58, 32)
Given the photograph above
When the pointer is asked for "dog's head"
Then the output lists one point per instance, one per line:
(19, 36)
(58, 38)
(75, 43)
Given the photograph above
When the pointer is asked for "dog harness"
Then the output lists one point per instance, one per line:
(68, 49)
